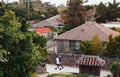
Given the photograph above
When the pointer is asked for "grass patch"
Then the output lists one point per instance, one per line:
(32, 75)
(69, 75)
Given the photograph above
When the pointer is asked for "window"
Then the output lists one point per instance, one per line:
(74, 45)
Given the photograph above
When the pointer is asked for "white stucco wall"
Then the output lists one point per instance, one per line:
(60, 45)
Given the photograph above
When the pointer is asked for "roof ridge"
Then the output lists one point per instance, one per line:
(86, 32)
(70, 30)
(97, 26)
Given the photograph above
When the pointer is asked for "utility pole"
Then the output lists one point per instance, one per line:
(2, 1)
(28, 10)
(114, 2)
(7, 1)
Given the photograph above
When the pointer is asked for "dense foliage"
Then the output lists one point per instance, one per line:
(2, 9)
(109, 12)
(115, 69)
(37, 10)
(23, 52)
(93, 47)
(113, 47)
(73, 14)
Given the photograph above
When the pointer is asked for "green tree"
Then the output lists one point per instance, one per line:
(24, 27)
(88, 7)
(49, 10)
(73, 14)
(37, 10)
(115, 69)
(113, 11)
(106, 13)
(20, 10)
(100, 12)
(85, 47)
(24, 54)
(93, 47)
(96, 45)
(113, 47)
(2, 8)
(39, 40)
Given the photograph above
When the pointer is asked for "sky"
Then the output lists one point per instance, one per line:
(59, 2)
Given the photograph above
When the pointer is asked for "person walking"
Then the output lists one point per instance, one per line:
(58, 63)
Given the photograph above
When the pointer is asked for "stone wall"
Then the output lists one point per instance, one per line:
(67, 59)
(71, 59)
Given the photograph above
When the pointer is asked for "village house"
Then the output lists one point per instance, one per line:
(22, 1)
(45, 32)
(54, 21)
(71, 39)
(111, 25)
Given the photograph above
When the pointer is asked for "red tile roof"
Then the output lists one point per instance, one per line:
(91, 61)
(87, 31)
(43, 30)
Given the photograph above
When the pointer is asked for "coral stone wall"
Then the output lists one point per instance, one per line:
(67, 59)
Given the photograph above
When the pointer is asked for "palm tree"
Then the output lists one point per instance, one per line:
(114, 4)
(73, 14)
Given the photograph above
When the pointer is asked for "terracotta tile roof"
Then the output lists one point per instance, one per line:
(53, 21)
(87, 31)
(91, 61)
(43, 30)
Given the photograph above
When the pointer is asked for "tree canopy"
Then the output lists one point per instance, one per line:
(2, 9)
(73, 14)
(22, 52)
(37, 10)
(93, 47)
(115, 69)
(107, 12)
(113, 47)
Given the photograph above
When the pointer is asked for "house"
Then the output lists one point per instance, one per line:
(111, 25)
(90, 65)
(71, 39)
(22, 1)
(54, 21)
(45, 32)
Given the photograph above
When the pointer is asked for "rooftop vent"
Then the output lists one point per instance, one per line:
(82, 30)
